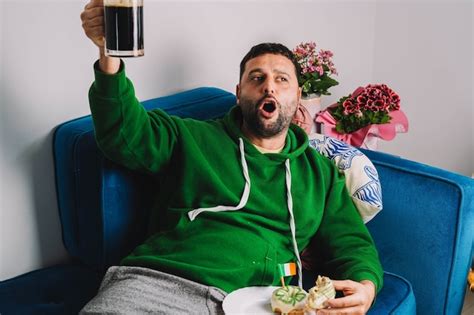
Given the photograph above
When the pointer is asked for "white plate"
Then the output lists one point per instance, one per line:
(250, 300)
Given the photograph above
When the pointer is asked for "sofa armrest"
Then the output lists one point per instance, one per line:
(61, 289)
(425, 231)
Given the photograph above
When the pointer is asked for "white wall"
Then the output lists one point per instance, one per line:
(424, 51)
(2, 215)
(46, 70)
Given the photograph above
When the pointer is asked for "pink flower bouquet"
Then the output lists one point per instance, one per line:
(362, 117)
(316, 69)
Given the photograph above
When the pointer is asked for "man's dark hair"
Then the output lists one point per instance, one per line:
(269, 48)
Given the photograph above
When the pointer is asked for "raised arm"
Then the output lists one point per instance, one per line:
(93, 24)
(125, 132)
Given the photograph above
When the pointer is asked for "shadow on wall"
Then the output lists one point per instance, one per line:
(49, 238)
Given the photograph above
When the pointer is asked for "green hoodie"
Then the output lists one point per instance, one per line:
(204, 164)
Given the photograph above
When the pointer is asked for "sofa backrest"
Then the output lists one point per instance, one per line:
(104, 208)
(424, 233)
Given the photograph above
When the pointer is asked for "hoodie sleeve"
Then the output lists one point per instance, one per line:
(125, 132)
(343, 241)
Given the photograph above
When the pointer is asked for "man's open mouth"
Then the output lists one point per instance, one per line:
(268, 105)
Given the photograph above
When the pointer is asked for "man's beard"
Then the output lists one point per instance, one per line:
(257, 125)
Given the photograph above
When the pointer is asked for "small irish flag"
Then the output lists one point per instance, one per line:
(286, 270)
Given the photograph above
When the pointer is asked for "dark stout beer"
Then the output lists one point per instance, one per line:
(123, 29)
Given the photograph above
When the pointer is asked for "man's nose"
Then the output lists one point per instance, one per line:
(269, 87)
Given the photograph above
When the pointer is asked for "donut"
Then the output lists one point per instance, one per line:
(289, 300)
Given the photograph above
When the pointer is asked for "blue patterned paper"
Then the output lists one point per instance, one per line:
(361, 177)
(333, 148)
(370, 192)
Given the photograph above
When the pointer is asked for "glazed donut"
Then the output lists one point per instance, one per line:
(289, 300)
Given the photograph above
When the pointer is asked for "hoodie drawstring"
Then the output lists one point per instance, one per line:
(245, 197)
(289, 201)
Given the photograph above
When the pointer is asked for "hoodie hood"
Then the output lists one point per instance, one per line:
(295, 144)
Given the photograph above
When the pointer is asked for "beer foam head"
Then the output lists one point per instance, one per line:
(123, 3)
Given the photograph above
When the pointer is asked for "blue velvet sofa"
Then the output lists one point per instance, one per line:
(424, 234)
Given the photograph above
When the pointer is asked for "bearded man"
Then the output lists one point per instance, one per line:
(237, 196)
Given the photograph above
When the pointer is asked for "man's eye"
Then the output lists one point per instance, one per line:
(283, 79)
(257, 78)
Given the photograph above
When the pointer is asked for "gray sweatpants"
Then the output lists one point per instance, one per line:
(137, 290)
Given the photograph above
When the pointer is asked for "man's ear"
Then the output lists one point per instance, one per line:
(237, 93)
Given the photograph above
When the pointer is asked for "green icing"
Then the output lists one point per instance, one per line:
(290, 295)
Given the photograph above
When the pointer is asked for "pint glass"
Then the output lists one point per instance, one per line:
(123, 21)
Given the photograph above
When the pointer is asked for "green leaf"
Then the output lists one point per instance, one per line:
(306, 87)
(315, 83)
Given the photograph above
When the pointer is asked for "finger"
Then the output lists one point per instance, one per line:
(340, 311)
(97, 21)
(94, 3)
(347, 301)
(344, 284)
(95, 32)
(90, 14)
